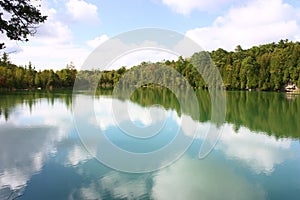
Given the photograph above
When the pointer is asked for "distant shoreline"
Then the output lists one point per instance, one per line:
(269, 67)
(296, 92)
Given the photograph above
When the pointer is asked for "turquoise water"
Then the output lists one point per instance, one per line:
(256, 157)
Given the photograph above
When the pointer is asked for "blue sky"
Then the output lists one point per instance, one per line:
(75, 27)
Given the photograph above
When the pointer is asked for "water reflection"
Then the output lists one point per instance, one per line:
(41, 156)
(29, 139)
(257, 151)
(266, 112)
(77, 155)
(191, 179)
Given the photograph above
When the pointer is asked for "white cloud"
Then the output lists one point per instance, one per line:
(187, 6)
(82, 11)
(133, 58)
(51, 47)
(55, 56)
(257, 150)
(120, 187)
(192, 179)
(11, 46)
(254, 23)
(90, 192)
(97, 41)
(53, 32)
(54, 44)
(77, 155)
(139, 116)
(118, 52)
(116, 185)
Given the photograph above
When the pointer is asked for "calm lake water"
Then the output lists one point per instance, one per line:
(256, 157)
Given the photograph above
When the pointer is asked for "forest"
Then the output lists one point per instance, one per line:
(267, 67)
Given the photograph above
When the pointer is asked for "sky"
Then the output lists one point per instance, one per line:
(76, 27)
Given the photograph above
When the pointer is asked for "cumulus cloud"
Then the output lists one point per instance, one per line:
(53, 31)
(115, 185)
(118, 52)
(82, 11)
(120, 185)
(97, 41)
(254, 23)
(77, 155)
(142, 55)
(51, 47)
(190, 179)
(187, 6)
(54, 56)
(141, 117)
(256, 150)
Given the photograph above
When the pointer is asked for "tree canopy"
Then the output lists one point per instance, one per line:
(267, 67)
(19, 19)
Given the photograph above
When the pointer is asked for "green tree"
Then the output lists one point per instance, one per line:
(4, 60)
(23, 19)
(37, 81)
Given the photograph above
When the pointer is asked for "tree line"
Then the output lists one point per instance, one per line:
(27, 77)
(266, 67)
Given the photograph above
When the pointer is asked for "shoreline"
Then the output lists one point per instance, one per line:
(294, 92)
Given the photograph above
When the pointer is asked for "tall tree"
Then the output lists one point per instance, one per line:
(19, 19)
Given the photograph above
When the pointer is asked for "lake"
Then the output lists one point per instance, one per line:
(43, 154)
